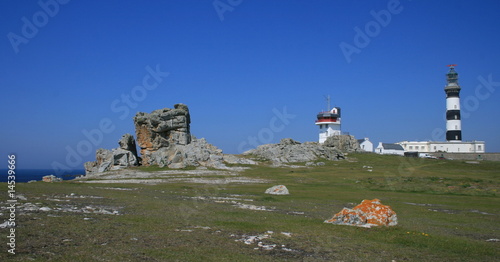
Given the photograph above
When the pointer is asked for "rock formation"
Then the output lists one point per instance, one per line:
(232, 159)
(367, 214)
(278, 190)
(197, 153)
(344, 143)
(160, 129)
(289, 150)
(121, 157)
(165, 140)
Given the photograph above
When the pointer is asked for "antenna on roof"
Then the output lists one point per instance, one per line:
(327, 97)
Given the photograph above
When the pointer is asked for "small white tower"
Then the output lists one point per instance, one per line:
(329, 123)
(453, 122)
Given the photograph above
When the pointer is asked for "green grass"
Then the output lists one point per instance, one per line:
(446, 211)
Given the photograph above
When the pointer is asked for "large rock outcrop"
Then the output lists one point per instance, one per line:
(162, 128)
(289, 151)
(121, 157)
(344, 143)
(197, 153)
(165, 140)
(367, 214)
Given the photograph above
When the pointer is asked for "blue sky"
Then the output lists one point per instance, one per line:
(68, 67)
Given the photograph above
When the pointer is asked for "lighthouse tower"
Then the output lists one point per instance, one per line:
(329, 123)
(452, 90)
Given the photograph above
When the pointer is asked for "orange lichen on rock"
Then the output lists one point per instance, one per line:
(367, 214)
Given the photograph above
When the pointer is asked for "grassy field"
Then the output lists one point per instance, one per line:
(447, 210)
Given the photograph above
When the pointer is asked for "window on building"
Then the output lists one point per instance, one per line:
(479, 147)
(455, 106)
(411, 147)
(435, 147)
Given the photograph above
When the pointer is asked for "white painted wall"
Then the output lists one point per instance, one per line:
(327, 130)
(450, 147)
(366, 145)
(383, 151)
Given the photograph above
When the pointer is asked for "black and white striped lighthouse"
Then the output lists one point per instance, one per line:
(452, 90)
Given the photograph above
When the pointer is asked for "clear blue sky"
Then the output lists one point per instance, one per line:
(235, 66)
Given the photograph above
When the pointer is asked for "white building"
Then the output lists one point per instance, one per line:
(389, 149)
(365, 144)
(448, 147)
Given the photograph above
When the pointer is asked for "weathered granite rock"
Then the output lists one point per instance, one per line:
(232, 159)
(197, 153)
(127, 142)
(161, 129)
(289, 150)
(104, 160)
(122, 157)
(367, 214)
(165, 140)
(278, 190)
(344, 143)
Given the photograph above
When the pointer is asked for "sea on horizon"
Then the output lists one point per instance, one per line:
(25, 175)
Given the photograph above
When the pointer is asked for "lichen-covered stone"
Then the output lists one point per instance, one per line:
(367, 214)
(51, 178)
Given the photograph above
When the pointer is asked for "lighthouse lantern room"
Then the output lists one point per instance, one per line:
(329, 124)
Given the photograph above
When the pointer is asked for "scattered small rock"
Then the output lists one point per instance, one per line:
(6, 224)
(260, 240)
(21, 197)
(278, 190)
(51, 178)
